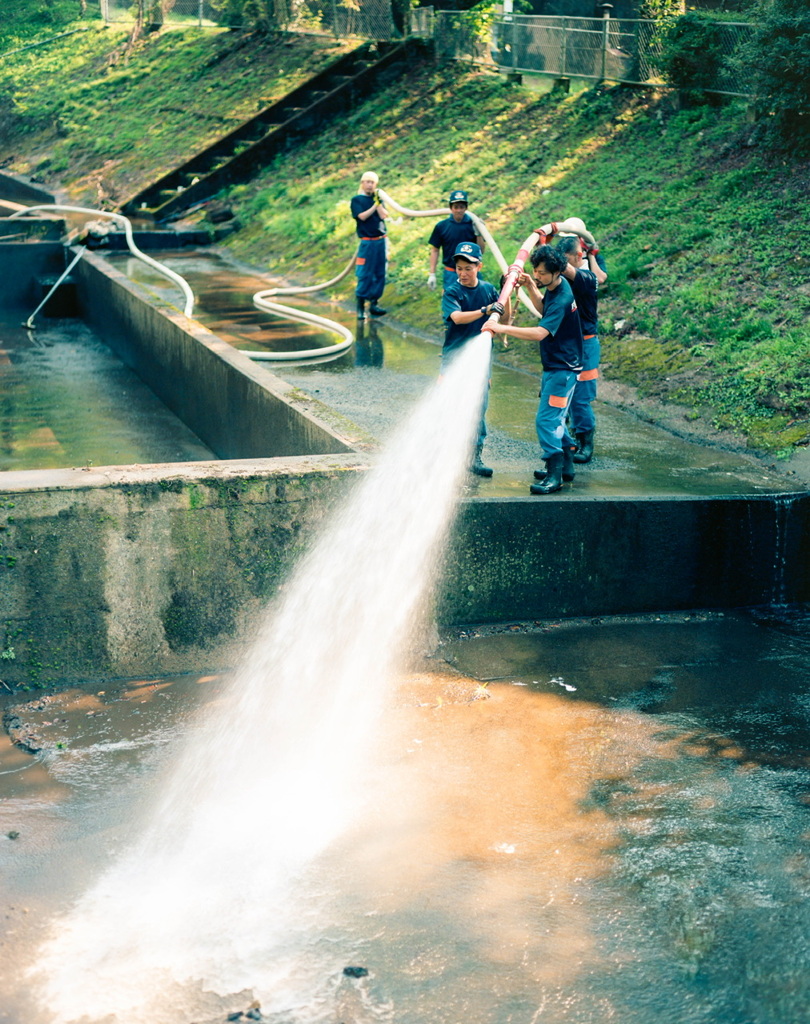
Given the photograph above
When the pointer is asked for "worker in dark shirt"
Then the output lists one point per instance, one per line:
(584, 281)
(448, 234)
(466, 304)
(559, 333)
(370, 215)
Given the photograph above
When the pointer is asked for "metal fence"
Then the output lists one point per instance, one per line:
(613, 49)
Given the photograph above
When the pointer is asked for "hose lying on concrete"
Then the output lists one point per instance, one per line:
(119, 218)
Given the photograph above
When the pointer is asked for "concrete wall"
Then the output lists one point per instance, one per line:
(238, 408)
(525, 559)
(21, 265)
(149, 570)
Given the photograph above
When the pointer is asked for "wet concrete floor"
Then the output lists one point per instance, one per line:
(571, 822)
(67, 401)
(388, 368)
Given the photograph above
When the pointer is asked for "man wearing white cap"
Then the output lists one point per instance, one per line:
(448, 234)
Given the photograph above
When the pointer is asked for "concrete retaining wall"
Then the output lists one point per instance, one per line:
(147, 570)
(144, 571)
(528, 558)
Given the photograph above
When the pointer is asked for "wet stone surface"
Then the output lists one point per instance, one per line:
(388, 368)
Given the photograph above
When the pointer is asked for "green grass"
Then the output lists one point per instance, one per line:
(703, 231)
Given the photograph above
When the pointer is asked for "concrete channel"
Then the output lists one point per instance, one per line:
(139, 570)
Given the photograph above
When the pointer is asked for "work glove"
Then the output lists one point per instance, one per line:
(547, 229)
(377, 199)
(589, 248)
(494, 307)
(431, 281)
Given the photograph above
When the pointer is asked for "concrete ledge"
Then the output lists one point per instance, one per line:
(148, 570)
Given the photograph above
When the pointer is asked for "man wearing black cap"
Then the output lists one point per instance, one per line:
(466, 306)
(448, 234)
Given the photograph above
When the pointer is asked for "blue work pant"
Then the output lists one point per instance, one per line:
(370, 268)
(581, 413)
(555, 397)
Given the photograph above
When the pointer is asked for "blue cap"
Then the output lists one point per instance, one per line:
(457, 196)
(469, 251)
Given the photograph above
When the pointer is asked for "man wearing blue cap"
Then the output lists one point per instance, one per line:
(466, 305)
(450, 233)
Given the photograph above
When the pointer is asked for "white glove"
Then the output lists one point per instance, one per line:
(431, 281)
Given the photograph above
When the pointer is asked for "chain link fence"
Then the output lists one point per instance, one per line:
(614, 49)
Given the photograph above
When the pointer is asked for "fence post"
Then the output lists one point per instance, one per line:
(105, 12)
(606, 9)
(200, 14)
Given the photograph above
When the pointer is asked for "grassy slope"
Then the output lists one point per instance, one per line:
(80, 113)
(704, 236)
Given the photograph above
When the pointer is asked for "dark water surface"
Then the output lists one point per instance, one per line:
(66, 401)
(570, 823)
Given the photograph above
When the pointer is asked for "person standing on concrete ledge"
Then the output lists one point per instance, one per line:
(584, 283)
(370, 215)
(466, 304)
(447, 235)
(559, 333)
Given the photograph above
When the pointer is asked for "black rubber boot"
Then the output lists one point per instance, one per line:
(552, 480)
(568, 472)
(376, 310)
(584, 452)
(361, 309)
(477, 466)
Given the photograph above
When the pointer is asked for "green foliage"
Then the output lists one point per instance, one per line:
(21, 21)
(777, 62)
(691, 51)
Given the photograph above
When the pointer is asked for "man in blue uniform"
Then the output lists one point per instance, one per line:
(447, 235)
(584, 281)
(559, 333)
(466, 305)
(370, 215)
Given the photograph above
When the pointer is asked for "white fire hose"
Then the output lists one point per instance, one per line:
(119, 218)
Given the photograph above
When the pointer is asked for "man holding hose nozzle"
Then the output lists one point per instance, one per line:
(370, 215)
(466, 304)
(447, 235)
(559, 333)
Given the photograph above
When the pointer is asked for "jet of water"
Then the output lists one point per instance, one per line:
(273, 773)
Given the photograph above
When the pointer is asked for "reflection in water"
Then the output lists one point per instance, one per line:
(368, 347)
